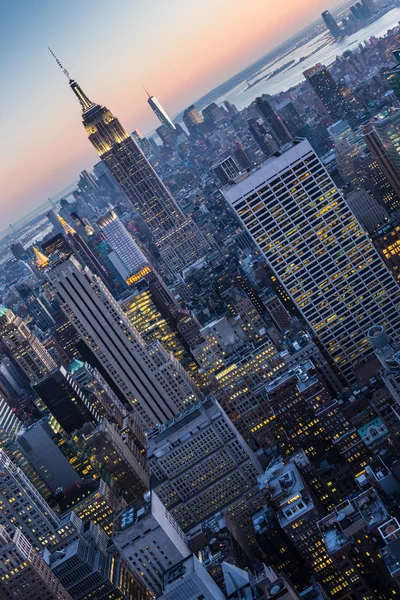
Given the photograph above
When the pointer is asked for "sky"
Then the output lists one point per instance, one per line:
(178, 49)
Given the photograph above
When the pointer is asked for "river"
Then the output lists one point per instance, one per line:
(242, 97)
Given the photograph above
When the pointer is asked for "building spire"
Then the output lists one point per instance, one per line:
(146, 91)
(79, 93)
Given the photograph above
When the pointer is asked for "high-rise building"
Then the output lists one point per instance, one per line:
(22, 506)
(155, 394)
(42, 452)
(201, 465)
(331, 24)
(386, 240)
(177, 238)
(259, 132)
(191, 117)
(89, 571)
(65, 400)
(368, 211)
(226, 170)
(393, 75)
(276, 124)
(189, 580)
(24, 346)
(23, 572)
(387, 128)
(319, 252)
(124, 246)
(385, 152)
(160, 113)
(338, 103)
(35, 307)
(150, 540)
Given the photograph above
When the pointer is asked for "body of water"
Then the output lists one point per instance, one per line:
(324, 53)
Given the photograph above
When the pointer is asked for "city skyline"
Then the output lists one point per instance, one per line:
(117, 80)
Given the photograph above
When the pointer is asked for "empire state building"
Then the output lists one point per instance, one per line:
(177, 237)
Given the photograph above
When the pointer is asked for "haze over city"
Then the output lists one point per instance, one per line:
(179, 50)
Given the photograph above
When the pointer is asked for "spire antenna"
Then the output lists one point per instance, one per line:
(59, 64)
(142, 87)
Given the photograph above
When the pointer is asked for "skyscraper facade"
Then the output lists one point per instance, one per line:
(331, 24)
(277, 125)
(177, 238)
(24, 346)
(23, 572)
(123, 244)
(330, 93)
(318, 250)
(160, 113)
(154, 395)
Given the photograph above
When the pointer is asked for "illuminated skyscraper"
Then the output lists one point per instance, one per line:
(160, 113)
(318, 250)
(155, 394)
(338, 101)
(128, 252)
(393, 75)
(24, 574)
(331, 24)
(24, 346)
(276, 124)
(177, 238)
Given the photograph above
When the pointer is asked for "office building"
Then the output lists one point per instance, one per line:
(177, 238)
(66, 400)
(45, 456)
(393, 75)
(160, 113)
(331, 24)
(150, 540)
(192, 117)
(22, 506)
(330, 93)
(124, 246)
(226, 170)
(342, 531)
(189, 580)
(387, 128)
(384, 153)
(366, 209)
(276, 123)
(151, 319)
(320, 253)
(93, 501)
(23, 572)
(386, 240)
(115, 453)
(261, 135)
(298, 516)
(24, 346)
(201, 465)
(107, 331)
(89, 571)
(35, 307)
(388, 354)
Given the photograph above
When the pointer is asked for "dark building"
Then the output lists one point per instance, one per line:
(276, 124)
(226, 170)
(35, 307)
(393, 75)
(262, 137)
(338, 101)
(331, 24)
(65, 400)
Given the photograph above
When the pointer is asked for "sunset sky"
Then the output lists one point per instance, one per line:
(178, 49)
